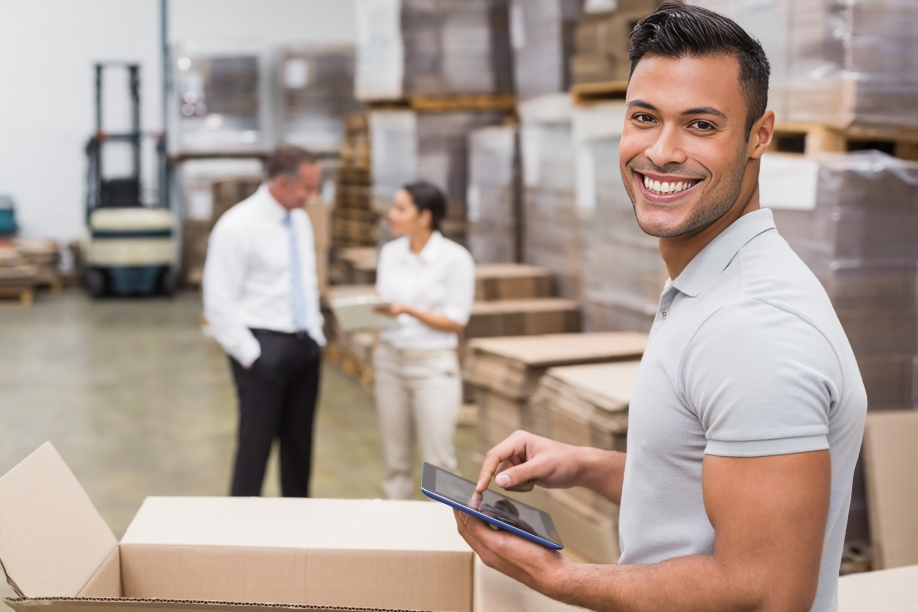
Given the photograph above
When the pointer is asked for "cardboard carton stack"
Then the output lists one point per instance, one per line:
(408, 145)
(222, 194)
(45, 256)
(852, 219)
(551, 229)
(18, 278)
(353, 218)
(494, 195)
(220, 102)
(542, 34)
(837, 63)
(622, 272)
(356, 266)
(601, 41)
(432, 48)
(318, 91)
(505, 372)
(853, 63)
(586, 405)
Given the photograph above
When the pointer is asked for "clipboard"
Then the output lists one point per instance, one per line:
(359, 312)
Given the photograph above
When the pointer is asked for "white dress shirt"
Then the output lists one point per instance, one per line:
(439, 280)
(247, 281)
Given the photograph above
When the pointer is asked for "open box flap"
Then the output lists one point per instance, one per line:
(52, 539)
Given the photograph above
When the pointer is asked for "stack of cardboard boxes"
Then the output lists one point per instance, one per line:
(318, 91)
(601, 41)
(494, 206)
(432, 48)
(18, 278)
(45, 256)
(353, 218)
(586, 405)
(542, 34)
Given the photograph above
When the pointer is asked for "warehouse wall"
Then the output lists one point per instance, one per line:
(47, 48)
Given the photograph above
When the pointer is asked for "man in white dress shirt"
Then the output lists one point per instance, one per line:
(261, 299)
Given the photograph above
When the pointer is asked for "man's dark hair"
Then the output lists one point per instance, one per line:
(287, 160)
(428, 197)
(678, 30)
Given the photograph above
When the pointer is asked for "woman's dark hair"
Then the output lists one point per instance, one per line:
(677, 30)
(425, 196)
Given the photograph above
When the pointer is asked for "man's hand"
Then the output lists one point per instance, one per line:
(524, 460)
(510, 554)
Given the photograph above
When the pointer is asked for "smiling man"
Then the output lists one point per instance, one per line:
(748, 410)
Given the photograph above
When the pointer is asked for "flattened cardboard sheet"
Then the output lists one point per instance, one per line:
(65, 604)
(894, 590)
(891, 475)
(52, 539)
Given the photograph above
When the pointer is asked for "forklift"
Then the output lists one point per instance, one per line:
(129, 247)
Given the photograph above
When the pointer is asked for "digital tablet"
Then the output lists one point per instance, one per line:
(491, 507)
(359, 312)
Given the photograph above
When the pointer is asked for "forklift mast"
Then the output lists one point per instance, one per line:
(125, 191)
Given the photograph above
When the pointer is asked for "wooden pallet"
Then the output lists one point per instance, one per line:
(25, 295)
(502, 103)
(361, 372)
(813, 138)
(585, 94)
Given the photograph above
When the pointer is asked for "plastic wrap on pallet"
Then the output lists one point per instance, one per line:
(408, 146)
(623, 273)
(219, 100)
(858, 237)
(432, 47)
(492, 194)
(542, 34)
(853, 62)
(551, 235)
(318, 91)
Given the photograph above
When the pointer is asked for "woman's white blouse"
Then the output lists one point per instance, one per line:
(439, 280)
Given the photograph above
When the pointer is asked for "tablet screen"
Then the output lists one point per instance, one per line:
(510, 511)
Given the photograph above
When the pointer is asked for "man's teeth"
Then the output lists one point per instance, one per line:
(667, 187)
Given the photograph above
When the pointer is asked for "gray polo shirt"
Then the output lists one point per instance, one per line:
(746, 358)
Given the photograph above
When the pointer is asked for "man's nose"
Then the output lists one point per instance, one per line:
(667, 147)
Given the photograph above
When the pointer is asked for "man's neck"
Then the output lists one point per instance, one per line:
(278, 197)
(679, 251)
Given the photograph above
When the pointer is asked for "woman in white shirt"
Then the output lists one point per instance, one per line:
(430, 283)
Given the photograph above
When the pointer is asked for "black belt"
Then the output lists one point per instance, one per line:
(298, 335)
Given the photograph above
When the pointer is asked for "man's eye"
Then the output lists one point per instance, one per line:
(704, 125)
(643, 118)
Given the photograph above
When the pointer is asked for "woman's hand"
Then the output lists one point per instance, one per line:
(393, 310)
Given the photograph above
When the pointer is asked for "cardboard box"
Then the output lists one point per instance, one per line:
(891, 470)
(511, 282)
(893, 590)
(523, 318)
(495, 592)
(224, 553)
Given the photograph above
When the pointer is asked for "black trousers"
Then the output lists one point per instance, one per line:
(277, 400)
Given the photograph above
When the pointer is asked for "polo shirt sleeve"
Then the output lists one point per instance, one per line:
(762, 381)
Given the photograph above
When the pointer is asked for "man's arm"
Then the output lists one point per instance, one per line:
(224, 275)
(769, 515)
(524, 460)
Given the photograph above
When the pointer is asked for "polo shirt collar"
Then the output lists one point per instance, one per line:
(716, 256)
(275, 209)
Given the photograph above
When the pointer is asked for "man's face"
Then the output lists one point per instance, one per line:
(295, 191)
(683, 154)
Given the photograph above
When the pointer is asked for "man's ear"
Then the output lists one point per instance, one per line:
(761, 134)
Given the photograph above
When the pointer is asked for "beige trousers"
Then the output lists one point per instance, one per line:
(418, 393)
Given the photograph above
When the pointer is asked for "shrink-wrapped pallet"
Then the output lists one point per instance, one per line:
(622, 271)
(317, 93)
(407, 146)
(493, 199)
(409, 48)
(542, 34)
(551, 236)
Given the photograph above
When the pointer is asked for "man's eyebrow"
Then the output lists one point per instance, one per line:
(642, 104)
(704, 110)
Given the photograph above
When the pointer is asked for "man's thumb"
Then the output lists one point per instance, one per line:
(514, 476)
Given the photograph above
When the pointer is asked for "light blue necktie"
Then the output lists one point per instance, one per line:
(296, 278)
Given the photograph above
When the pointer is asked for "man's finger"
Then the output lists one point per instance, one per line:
(520, 477)
(515, 445)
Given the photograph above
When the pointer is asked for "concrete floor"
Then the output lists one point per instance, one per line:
(139, 402)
